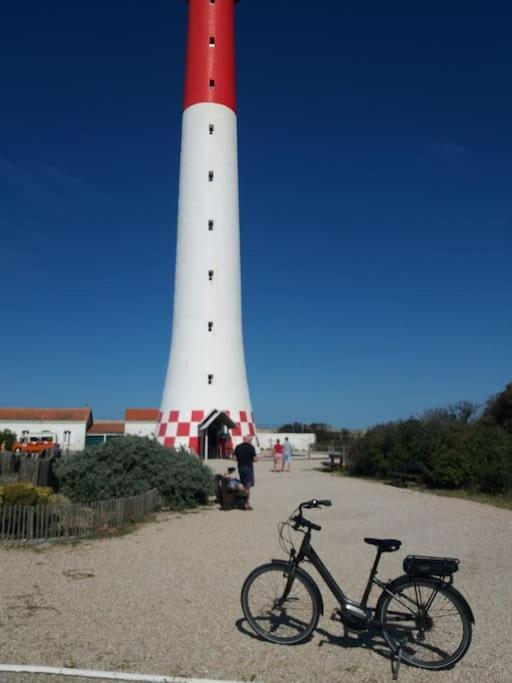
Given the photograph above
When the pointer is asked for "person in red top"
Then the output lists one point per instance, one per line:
(278, 456)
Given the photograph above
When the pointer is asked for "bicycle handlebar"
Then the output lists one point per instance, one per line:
(299, 520)
(314, 503)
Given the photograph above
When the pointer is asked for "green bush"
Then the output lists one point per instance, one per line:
(451, 469)
(126, 467)
(498, 410)
(26, 494)
(489, 449)
(7, 439)
(453, 453)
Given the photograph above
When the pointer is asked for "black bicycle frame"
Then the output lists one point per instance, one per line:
(307, 552)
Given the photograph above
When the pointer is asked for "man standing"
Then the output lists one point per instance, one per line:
(287, 454)
(245, 455)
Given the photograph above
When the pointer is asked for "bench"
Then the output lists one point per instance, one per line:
(227, 498)
(335, 462)
(404, 478)
(411, 471)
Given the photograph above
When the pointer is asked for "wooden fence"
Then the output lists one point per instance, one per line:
(19, 467)
(77, 520)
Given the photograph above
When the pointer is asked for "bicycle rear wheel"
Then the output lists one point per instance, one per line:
(281, 608)
(427, 619)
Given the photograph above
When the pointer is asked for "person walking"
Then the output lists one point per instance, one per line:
(223, 444)
(278, 456)
(287, 454)
(245, 455)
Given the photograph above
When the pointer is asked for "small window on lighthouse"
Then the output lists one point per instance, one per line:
(210, 225)
(211, 128)
(210, 379)
(212, 41)
(212, 2)
(210, 326)
(212, 83)
(210, 275)
(210, 176)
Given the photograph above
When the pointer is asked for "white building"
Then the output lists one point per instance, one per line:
(104, 430)
(299, 442)
(68, 425)
(137, 422)
(74, 428)
(141, 421)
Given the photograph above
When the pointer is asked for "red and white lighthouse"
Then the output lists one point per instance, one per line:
(206, 378)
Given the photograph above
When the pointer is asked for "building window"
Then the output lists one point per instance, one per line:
(210, 225)
(212, 83)
(210, 379)
(94, 439)
(210, 326)
(212, 41)
(210, 275)
(211, 128)
(210, 176)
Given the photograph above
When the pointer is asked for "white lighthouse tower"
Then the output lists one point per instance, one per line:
(206, 399)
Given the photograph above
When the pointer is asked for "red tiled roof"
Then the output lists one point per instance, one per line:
(141, 414)
(47, 414)
(104, 427)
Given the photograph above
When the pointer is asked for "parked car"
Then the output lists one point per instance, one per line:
(36, 444)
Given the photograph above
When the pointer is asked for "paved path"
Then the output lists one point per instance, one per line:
(165, 599)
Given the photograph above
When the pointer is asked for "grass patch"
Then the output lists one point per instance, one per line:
(498, 501)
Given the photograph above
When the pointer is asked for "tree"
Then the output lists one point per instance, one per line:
(498, 409)
(323, 432)
(293, 428)
(7, 438)
(462, 412)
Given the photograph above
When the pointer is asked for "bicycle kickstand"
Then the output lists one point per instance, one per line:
(396, 662)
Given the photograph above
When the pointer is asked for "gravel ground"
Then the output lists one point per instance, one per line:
(165, 599)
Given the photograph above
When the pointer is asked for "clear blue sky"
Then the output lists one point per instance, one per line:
(376, 203)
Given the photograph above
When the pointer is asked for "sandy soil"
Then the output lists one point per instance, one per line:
(165, 599)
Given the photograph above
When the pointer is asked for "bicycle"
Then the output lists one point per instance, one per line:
(425, 621)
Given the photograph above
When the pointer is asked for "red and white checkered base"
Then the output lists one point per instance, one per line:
(180, 428)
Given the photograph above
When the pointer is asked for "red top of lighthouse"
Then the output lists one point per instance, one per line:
(210, 72)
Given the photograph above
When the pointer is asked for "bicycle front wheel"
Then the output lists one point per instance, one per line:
(427, 619)
(280, 606)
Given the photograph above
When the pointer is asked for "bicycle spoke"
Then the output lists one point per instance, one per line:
(275, 617)
(436, 633)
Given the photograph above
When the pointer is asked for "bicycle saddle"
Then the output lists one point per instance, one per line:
(386, 545)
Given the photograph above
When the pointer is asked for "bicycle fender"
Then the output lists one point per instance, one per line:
(391, 585)
(464, 602)
(286, 565)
